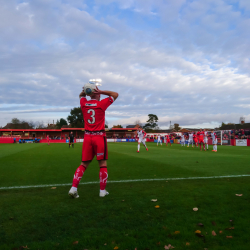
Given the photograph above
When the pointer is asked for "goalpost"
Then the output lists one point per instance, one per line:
(224, 136)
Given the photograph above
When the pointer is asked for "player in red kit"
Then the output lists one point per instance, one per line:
(168, 140)
(48, 139)
(195, 140)
(200, 135)
(95, 142)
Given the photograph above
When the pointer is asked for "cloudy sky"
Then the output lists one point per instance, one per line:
(187, 61)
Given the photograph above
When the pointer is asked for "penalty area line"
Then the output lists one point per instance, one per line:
(124, 181)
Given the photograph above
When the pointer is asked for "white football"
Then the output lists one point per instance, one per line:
(89, 88)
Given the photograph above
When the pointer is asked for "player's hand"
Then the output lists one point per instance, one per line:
(82, 94)
(97, 91)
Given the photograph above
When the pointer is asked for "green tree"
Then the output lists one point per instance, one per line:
(60, 123)
(32, 124)
(18, 124)
(118, 126)
(106, 124)
(176, 127)
(75, 118)
(222, 125)
(40, 125)
(138, 122)
(15, 121)
(151, 123)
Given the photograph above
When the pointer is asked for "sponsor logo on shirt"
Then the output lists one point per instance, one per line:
(90, 104)
(94, 133)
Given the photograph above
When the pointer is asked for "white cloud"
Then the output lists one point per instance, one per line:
(193, 58)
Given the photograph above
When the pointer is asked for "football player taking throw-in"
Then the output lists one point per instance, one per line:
(95, 142)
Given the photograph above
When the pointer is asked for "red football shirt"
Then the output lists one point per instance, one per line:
(200, 135)
(94, 113)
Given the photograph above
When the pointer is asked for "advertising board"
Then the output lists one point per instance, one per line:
(110, 140)
(225, 142)
(131, 140)
(67, 140)
(79, 140)
(242, 142)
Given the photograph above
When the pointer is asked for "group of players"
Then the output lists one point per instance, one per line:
(201, 137)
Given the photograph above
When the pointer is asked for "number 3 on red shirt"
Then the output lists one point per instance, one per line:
(92, 116)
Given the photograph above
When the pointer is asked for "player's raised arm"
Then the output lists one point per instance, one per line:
(82, 94)
(107, 92)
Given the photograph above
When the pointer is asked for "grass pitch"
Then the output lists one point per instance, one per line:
(45, 218)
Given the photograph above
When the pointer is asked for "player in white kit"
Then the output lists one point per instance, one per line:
(206, 138)
(190, 139)
(141, 135)
(159, 140)
(183, 140)
(214, 138)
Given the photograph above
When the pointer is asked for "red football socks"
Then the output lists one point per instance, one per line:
(78, 175)
(103, 177)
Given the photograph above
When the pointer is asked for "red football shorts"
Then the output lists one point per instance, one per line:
(201, 141)
(94, 145)
(168, 141)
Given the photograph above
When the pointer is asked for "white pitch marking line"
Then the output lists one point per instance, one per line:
(123, 181)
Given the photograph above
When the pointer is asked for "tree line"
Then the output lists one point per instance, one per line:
(75, 120)
(23, 124)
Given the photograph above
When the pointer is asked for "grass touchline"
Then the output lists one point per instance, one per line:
(123, 181)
